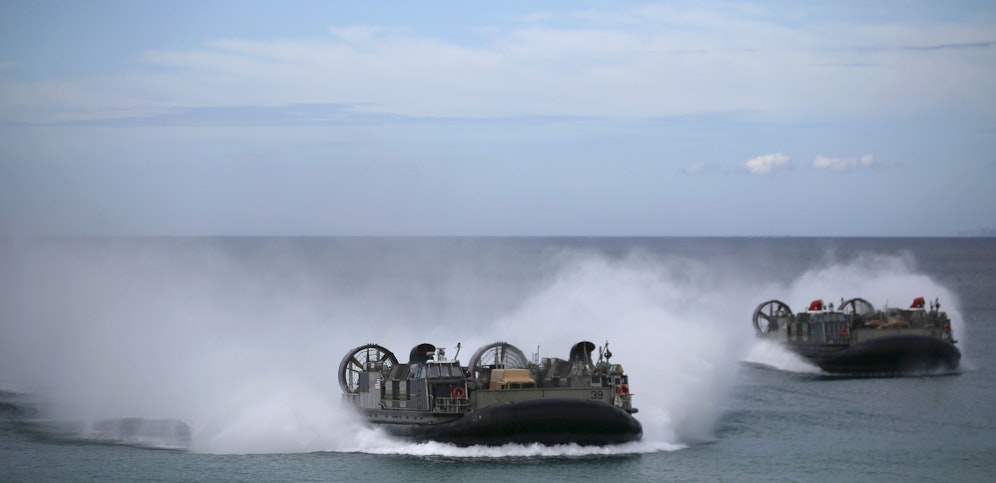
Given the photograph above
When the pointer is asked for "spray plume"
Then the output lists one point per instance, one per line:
(243, 343)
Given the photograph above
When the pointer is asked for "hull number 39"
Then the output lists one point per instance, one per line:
(597, 395)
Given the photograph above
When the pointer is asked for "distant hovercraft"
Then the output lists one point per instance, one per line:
(857, 339)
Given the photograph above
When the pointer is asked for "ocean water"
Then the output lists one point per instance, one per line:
(165, 359)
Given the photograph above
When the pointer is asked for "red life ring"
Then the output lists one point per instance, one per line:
(459, 392)
(622, 389)
(844, 332)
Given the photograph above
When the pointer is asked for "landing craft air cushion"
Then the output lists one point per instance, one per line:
(500, 397)
(857, 339)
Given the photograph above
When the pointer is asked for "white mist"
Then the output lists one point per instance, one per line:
(245, 347)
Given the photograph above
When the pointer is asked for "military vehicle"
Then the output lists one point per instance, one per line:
(858, 339)
(499, 397)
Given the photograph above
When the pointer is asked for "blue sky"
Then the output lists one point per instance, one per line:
(502, 118)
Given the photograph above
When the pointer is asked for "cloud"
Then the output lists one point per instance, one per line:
(844, 164)
(700, 168)
(695, 168)
(967, 45)
(356, 33)
(768, 163)
(662, 60)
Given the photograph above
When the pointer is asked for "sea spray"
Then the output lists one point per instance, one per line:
(242, 339)
(679, 360)
(883, 280)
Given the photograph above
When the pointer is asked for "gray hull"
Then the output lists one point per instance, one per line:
(545, 421)
(886, 355)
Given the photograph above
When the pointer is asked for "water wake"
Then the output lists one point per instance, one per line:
(243, 344)
(516, 450)
(883, 280)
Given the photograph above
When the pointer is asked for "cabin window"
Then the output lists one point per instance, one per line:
(433, 371)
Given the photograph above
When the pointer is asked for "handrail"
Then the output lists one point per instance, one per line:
(449, 404)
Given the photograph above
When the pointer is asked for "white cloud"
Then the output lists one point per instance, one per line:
(767, 163)
(356, 33)
(844, 164)
(698, 168)
(695, 168)
(643, 62)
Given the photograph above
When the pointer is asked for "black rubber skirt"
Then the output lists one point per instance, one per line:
(886, 355)
(545, 421)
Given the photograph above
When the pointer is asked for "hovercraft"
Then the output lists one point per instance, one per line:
(500, 397)
(858, 339)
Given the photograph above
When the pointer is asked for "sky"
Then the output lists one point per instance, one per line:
(584, 118)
